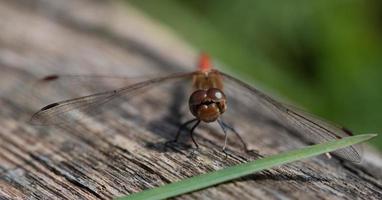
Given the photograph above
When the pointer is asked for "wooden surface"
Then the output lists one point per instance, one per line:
(112, 155)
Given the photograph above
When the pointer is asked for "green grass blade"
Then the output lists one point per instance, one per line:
(234, 172)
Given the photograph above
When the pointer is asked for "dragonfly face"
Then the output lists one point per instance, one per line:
(208, 101)
(208, 105)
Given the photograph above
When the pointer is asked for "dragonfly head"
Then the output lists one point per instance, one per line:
(208, 105)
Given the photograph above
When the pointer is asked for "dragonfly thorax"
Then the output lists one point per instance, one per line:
(208, 105)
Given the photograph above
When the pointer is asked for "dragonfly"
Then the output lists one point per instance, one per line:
(212, 95)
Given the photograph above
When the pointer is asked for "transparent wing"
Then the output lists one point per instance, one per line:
(135, 95)
(67, 86)
(309, 127)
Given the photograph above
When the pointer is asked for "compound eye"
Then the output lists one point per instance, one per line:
(215, 94)
(197, 97)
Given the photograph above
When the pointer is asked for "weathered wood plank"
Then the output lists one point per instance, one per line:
(113, 155)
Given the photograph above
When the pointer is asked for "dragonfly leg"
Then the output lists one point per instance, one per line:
(225, 143)
(192, 133)
(226, 127)
(221, 123)
(225, 136)
(181, 127)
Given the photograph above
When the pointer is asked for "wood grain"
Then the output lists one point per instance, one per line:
(108, 155)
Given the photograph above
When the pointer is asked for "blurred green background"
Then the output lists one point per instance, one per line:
(324, 55)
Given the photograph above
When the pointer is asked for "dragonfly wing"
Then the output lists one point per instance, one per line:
(309, 127)
(60, 86)
(55, 113)
(75, 109)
